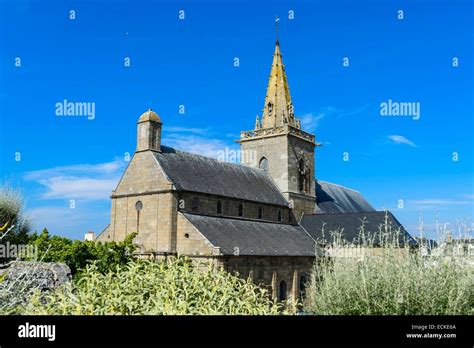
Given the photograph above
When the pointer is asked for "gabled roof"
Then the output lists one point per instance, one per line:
(322, 227)
(195, 173)
(332, 198)
(250, 237)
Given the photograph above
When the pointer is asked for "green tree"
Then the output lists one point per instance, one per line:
(77, 254)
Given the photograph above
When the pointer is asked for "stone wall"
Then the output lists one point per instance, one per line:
(300, 149)
(275, 150)
(143, 175)
(143, 202)
(191, 242)
(270, 271)
(301, 204)
(284, 153)
(22, 277)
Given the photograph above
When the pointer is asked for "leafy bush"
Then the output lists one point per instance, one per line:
(146, 287)
(390, 279)
(15, 227)
(77, 254)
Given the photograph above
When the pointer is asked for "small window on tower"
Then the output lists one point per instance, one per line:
(279, 215)
(264, 164)
(219, 207)
(302, 173)
(241, 209)
(270, 109)
(260, 213)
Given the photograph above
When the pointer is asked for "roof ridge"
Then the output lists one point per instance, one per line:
(327, 182)
(351, 212)
(258, 170)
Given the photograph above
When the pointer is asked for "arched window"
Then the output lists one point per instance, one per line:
(219, 207)
(263, 164)
(302, 286)
(138, 208)
(270, 108)
(241, 209)
(279, 215)
(260, 213)
(282, 291)
(301, 176)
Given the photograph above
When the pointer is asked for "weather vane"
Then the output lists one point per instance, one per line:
(276, 25)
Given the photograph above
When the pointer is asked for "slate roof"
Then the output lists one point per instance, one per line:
(257, 238)
(195, 173)
(332, 198)
(349, 224)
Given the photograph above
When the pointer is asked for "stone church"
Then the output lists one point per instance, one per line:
(261, 218)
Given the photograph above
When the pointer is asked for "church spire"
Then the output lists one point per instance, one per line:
(278, 107)
(257, 122)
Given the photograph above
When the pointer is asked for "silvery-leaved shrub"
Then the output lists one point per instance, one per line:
(389, 278)
(14, 226)
(145, 287)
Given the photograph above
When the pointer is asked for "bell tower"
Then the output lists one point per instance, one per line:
(279, 146)
(149, 131)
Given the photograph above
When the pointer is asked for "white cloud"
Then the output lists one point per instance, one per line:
(232, 135)
(80, 182)
(64, 187)
(400, 139)
(309, 121)
(350, 112)
(78, 169)
(200, 131)
(197, 144)
(434, 202)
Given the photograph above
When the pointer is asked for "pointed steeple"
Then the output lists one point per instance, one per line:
(278, 107)
(257, 122)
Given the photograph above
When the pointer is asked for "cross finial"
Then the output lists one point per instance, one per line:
(276, 28)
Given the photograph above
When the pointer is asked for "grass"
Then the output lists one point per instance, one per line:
(386, 277)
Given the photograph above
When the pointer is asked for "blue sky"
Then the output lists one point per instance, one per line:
(190, 62)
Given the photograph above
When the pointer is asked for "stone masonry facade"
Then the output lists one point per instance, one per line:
(149, 201)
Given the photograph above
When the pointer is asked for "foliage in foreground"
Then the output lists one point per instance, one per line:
(391, 279)
(145, 287)
(15, 227)
(78, 254)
